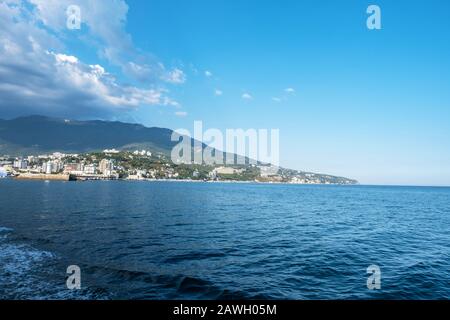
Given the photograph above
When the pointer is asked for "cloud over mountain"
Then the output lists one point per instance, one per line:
(37, 75)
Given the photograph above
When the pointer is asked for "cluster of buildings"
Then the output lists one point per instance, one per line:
(304, 180)
(58, 163)
(216, 172)
(166, 173)
(141, 165)
(78, 166)
(105, 168)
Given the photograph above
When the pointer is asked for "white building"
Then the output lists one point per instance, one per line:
(227, 170)
(32, 159)
(106, 167)
(142, 153)
(195, 174)
(139, 175)
(90, 169)
(111, 151)
(52, 167)
(268, 171)
(57, 155)
(20, 164)
(213, 175)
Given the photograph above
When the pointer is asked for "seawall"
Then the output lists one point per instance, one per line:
(55, 177)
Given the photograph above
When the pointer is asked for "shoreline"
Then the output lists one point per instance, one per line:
(69, 178)
(230, 182)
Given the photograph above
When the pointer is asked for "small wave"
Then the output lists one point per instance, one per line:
(5, 230)
(28, 273)
(158, 286)
(196, 256)
(188, 287)
(18, 264)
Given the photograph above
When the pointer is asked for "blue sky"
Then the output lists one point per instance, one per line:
(373, 105)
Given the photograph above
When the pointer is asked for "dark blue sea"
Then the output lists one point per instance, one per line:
(180, 240)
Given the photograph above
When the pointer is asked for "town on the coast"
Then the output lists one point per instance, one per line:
(113, 164)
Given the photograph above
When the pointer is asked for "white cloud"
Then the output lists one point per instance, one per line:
(208, 73)
(247, 96)
(181, 114)
(105, 22)
(35, 80)
(218, 92)
(290, 90)
(276, 99)
(61, 58)
(176, 76)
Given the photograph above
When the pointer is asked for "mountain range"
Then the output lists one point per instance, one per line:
(39, 134)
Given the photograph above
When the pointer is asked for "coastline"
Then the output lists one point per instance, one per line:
(68, 177)
(237, 182)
